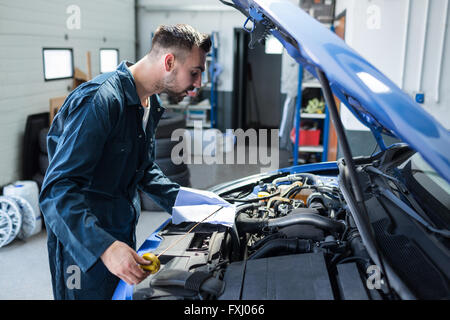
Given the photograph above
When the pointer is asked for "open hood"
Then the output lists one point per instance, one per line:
(374, 99)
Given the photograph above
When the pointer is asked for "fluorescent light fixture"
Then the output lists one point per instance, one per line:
(58, 63)
(273, 46)
(109, 59)
(373, 83)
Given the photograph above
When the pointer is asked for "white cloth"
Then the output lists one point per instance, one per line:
(146, 114)
(192, 205)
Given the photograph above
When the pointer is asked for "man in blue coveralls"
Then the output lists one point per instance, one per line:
(101, 150)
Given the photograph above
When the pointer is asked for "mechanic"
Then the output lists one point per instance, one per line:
(101, 150)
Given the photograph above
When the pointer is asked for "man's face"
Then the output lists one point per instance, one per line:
(186, 75)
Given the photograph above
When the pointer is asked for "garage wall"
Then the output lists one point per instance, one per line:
(26, 26)
(405, 40)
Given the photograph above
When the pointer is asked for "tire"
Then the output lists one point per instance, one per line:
(43, 140)
(30, 155)
(39, 178)
(163, 147)
(43, 163)
(147, 203)
(169, 122)
(183, 178)
(169, 168)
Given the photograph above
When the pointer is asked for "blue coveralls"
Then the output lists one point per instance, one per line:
(99, 156)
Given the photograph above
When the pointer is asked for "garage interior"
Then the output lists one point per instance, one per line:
(48, 48)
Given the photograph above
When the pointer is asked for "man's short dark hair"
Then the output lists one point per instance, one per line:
(180, 36)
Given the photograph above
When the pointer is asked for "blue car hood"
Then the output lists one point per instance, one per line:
(374, 99)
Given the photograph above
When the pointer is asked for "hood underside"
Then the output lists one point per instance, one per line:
(374, 99)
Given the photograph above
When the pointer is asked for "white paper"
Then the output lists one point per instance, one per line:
(194, 205)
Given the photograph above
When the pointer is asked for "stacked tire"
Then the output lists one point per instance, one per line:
(43, 157)
(178, 173)
(34, 148)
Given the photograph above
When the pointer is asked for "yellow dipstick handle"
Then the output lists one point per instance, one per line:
(154, 266)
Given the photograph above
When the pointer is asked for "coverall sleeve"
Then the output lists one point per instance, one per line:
(160, 188)
(78, 149)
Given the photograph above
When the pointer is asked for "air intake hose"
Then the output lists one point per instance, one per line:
(282, 246)
(313, 219)
(306, 216)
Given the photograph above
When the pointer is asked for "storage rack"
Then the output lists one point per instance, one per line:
(323, 149)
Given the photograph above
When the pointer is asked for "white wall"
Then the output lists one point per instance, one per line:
(26, 26)
(391, 35)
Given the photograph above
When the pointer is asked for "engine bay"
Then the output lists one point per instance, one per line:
(293, 238)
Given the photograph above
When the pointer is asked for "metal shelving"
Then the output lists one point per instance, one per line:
(323, 149)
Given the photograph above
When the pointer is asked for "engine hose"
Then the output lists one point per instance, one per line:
(277, 246)
(246, 224)
(264, 240)
(357, 246)
(296, 177)
(252, 199)
(236, 244)
(307, 218)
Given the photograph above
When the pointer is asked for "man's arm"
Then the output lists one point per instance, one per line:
(66, 212)
(160, 188)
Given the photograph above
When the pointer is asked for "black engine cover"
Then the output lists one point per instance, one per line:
(292, 277)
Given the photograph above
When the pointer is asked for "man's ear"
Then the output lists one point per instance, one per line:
(169, 62)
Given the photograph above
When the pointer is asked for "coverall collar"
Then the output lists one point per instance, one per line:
(128, 83)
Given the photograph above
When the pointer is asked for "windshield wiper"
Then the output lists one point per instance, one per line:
(413, 214)
(381, 173)
(403, 190)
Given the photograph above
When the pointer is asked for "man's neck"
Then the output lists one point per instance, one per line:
(145, 85)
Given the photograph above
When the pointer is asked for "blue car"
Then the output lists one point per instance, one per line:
(368, 228)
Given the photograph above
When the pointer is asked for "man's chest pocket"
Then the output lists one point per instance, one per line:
(119, 147)
(117, 156)
(114, 166)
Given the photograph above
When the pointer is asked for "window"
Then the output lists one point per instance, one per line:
(58, 63)
(273, 46)
(109, 59)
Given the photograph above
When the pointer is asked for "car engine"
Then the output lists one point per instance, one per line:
(293, 238)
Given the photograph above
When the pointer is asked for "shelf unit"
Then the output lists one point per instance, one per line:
(322, 149)
(323, 11)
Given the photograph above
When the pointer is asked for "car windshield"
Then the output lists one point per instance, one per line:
(429, 189)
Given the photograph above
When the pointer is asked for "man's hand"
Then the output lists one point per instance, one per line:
(122, 261)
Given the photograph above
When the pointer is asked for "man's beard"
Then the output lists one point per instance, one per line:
(169, 89)
(174, 96)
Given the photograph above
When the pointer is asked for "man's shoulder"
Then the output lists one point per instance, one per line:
(103, 84)
(105, 88)
(102, 95)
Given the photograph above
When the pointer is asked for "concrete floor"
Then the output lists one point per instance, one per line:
(24, 268)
